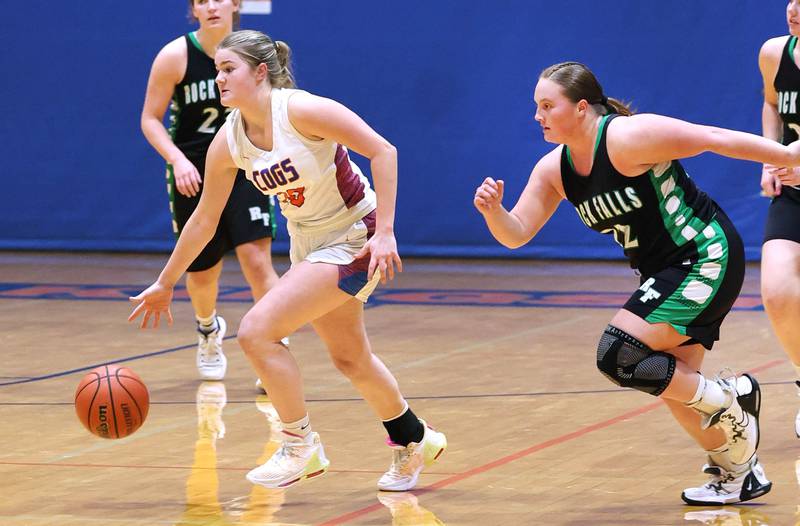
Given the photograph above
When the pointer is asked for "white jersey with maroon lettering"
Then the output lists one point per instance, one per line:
(318, 187)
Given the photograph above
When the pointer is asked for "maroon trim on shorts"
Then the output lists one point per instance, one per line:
(353, 277)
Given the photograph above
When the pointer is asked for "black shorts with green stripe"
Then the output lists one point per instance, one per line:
(248, 216)
(695, 293)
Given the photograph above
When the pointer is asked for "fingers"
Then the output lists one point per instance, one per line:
(169, 317)
(136, 311)
(371, 270)
(145, 319)
(194, 180)
(363, 252)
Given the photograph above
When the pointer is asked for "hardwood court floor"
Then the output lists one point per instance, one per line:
(499, 355)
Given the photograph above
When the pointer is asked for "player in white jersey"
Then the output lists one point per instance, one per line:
(293, 144)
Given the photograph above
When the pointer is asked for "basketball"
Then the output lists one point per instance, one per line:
(111, 401)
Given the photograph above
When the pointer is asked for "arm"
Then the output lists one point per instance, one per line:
(167, 71)
(198, 231)
(317, 117)
(536, 205)
(636, 143)
(769, 58)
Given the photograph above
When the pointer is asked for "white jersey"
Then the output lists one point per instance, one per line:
(318, 187)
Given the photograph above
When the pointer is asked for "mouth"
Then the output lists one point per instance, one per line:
(213, 19)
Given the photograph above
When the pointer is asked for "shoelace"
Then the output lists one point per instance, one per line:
(718, 478)
(209, 349)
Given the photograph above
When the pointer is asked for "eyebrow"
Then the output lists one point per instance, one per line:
(224, 62)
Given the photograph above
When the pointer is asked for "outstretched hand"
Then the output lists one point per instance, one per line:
(489, 196)
(382, 249)
(153, 301)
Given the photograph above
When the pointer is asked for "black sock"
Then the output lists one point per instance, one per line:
(405, 428)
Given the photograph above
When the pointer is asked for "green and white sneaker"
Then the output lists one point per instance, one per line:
(727, 487)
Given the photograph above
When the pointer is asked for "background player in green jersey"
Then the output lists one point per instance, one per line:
(780, 255)
(182, 77)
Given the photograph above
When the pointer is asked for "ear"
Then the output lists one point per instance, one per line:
(582, 105)
(262, 72)
(238, 5)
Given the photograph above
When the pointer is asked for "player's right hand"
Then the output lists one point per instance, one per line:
(489, 196)
(187, 178)
(770, 184)
(152, 301)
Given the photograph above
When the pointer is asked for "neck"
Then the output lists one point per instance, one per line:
(257, 112)
(209, 38)
(582, 145)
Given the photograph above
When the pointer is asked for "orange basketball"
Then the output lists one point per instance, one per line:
(111, 401)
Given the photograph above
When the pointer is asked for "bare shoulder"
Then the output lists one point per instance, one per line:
(548, 170)
(771, 50)
(172, 59)
(303, 105)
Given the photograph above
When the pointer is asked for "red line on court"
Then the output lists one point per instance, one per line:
(342, 519)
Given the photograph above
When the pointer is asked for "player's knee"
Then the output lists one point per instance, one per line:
(777, 297)
(627, 362)
(254, 337)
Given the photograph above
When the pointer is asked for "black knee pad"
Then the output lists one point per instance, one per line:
(629, 363)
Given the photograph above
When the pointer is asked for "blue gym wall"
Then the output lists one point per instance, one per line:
(448, 82)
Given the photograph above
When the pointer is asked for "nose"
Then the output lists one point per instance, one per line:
(537, 117)
(220, 78)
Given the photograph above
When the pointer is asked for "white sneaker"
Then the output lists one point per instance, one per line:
(409, 461)
(211, 361)
(726, 487)
(259, 385)
(293, 462)
(211, 399)
(740, 420)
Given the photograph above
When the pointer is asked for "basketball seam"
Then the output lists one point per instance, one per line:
(98, 377)
(133, 398)
(89, 409)
(111, 399)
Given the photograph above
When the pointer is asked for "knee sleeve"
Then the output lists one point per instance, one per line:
(630, 363)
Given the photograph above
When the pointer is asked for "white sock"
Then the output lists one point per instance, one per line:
(208, 322)
(709, 397)
(299, 430)
(721, 458)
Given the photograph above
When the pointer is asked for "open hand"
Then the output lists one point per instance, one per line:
(153, 301)
(382, 249)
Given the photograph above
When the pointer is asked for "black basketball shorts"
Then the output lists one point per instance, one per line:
(783, 217)
(248, 216)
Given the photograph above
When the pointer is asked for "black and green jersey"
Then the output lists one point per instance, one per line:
(196, 112)
(659, 217)
(787, 85)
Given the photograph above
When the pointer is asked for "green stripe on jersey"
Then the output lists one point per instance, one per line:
(700, 285)
(171, 192)
(679, 219)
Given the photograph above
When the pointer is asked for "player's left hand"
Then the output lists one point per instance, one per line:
(382, 249)
(152, 301)
(788, 176)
